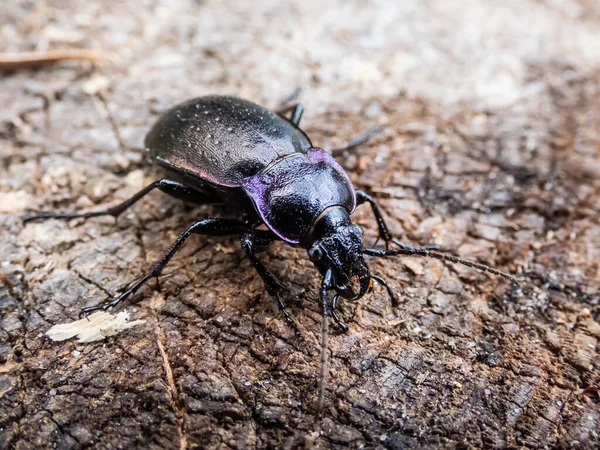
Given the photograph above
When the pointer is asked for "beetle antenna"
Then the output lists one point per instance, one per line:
(325, 285)
(441, 256)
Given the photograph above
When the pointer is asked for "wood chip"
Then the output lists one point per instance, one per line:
(95, 327)
(413, 266)
(11, 61)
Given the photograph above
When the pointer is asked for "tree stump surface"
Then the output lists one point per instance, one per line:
(490, 149)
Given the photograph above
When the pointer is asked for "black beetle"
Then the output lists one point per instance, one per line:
(219, 149)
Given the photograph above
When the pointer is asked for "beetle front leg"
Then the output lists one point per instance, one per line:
(343, 326)
(384, 232)
(273, 287)
(391, 293)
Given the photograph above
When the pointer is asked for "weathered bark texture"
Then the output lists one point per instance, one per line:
(491, 149)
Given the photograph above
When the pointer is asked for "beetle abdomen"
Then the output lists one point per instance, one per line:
(222, 139)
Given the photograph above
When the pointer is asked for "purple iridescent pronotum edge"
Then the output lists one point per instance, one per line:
(318, 155)
(256, 187)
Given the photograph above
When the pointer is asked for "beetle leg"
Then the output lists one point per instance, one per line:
(343, 326)
(356, 142)
(273, 287)
(391, 293)
(296, 109)
(384, 232)
(210, 227)
(170, 187)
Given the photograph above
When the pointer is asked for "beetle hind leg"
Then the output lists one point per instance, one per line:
(169, 187)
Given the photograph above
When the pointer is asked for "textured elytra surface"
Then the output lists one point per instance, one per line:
(490, 149)
(222, 139)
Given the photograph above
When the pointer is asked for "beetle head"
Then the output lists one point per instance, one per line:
(338, 246)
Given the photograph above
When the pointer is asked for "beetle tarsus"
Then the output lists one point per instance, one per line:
(288, 318)
(129, 291)
(342, 325)
(85, 312)
(125, 293)
(49, 215)
(210, 226)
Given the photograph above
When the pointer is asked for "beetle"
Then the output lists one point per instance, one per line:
(220, 149)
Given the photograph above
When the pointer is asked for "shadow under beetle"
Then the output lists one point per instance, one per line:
(226, 150)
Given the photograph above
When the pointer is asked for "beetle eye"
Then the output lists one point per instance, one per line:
(315, 254)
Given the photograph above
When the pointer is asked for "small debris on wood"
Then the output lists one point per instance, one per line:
(413, 266)
(95, 327)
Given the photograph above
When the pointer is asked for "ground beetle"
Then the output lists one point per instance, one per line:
(219, 149)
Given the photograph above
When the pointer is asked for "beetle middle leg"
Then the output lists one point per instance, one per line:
(249, 242)
(170, 187)
(210, 227)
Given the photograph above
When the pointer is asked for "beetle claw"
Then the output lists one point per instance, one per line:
(391, 293)
(342, 325)
(288, 318)
(126, 292)
(85, 312)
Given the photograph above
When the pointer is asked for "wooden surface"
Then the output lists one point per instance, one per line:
(491, 149)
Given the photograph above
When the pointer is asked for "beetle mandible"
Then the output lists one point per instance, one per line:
(220, 149)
